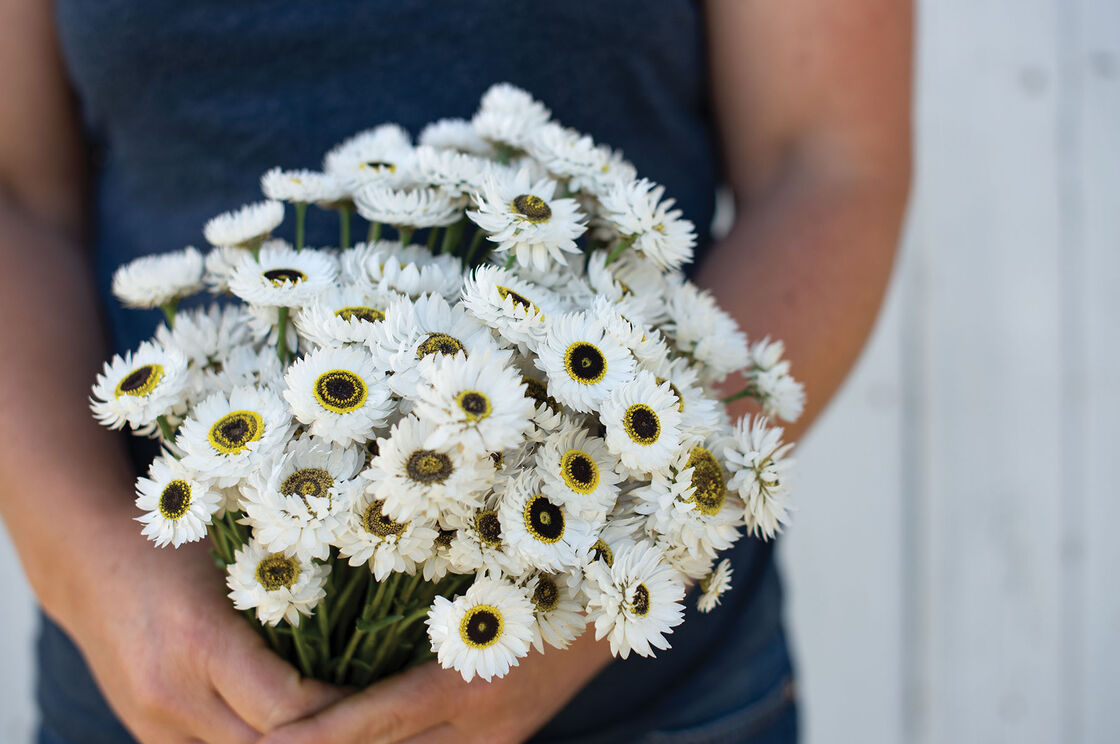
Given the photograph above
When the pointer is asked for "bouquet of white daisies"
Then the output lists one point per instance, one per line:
(471, 439)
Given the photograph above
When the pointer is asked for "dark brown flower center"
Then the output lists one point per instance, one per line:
(428, 466)
(377, 523)
(585, 363)
(175, 499)
(532, 207)
(277, 571)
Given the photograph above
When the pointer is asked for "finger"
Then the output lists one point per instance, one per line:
(261, 687)
(444, 733)
(388, 711)
(220, 724)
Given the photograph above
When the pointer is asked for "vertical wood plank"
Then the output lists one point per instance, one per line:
(1097, 386)
(843, 553)
(990, 643)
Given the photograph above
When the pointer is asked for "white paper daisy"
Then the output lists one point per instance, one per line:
(297, 504)
(139, 387)
(277, 586)
(177, 505)
(152, 281)
(302, 186)
(514, 308)
(526, 218)
(476, 401)
(413, 479)
(221, 262)
(508, 115)
(713, 586)
(456, 173)
(454, 134)
(559, 615)
(543, 532)
(338, 393)
(769, 380)
(479, 545)
(483, 632)
(342, 315)
(246, 226)
(415, 208)
(649, 223)
(579, 472)
(381, 154)
(761, 467)
(635, 602)
(280, 276)
(226, 437)
(584, 365)
(410, 270)
(386, 544)
(642, 419)
(701, 329)
(206, 335)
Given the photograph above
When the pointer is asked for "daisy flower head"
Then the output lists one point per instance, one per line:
(342, 315)
(688, 503)
(297, 504)
(635, 602)
(514, 308)
(482, 632)
(280, 276)
(409, 270)
(769, 380)
(206, 335)
(610, 169)
(643, 419)
(564, 152)
(544, 533)
(226, 437)
(221, 262)
(245, 227)
(761, 468)
(414, 479)
(152, 281)
(416, 208)
(700, 413)
(558, 613)
(388, 545)
(651, 226)
(702, 330)
(338, 393)
(139, 387)
(579, 472)
(713, 586)
(426, 329)
(454, 134)
(526, 218)
(507, 115)
(476, 401)
(456, 173)
(177, 505)
(480, 545)
(382, 155)
(277, 586)
(303, 186)
(582, 362)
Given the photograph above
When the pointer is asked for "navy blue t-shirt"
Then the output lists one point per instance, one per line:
(186, 104)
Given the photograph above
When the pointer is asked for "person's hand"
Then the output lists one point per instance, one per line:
(430, 705)
(174, 659)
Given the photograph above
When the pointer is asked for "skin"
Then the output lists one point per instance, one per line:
(813, 105)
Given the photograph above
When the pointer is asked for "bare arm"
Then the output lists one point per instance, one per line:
(171, 655)
(813, 104)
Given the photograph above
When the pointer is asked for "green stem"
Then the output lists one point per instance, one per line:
(405, 235)
(165, 428)
(301, 218)
(302, 651)
(451, 237)
(378, 667)
(235, 529)
(169, 309)
(323, 621)
(344, 662)
(282, 339)
(619, 247)
(348, 590)
(344, 227)
(433, 234)
(510, 260)
(748, 392)
(374, 233)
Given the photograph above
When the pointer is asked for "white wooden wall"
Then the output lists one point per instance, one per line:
(954, 565)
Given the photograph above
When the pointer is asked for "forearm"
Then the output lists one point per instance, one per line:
(65, 487)
(807, 261)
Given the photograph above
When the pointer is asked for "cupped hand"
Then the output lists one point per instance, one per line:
(430, 705)
(174, 659)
